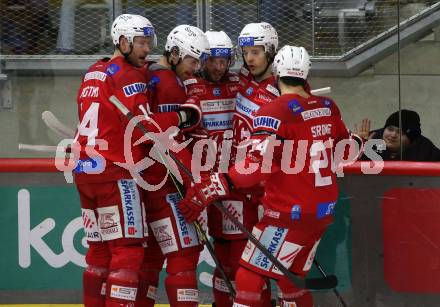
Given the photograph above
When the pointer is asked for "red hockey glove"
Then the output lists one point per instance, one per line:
(190, 115)
(211, 188)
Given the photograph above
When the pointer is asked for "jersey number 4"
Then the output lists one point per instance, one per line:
(89, 124)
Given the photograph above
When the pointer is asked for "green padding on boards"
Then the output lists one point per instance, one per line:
(44, 248)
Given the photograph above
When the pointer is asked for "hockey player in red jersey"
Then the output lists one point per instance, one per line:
(216, 90)
(173, 238)
(111, 202)
(258, 43)
(300, 189)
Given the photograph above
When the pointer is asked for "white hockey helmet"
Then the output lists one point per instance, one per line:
(292, 61)
(130, 26)
(259, 34)
(189, 40)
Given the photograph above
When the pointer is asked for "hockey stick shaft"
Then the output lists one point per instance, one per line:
(325, 283)
(335, 291)
(200, 231)
(40, 148)
(321, 91)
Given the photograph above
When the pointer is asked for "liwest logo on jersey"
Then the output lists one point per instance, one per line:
(131, 206)
(325, 209)
(218, 105)
(112, 69)
(246, 107)
(168, 107)
(218, 121)
(272, 238)
(266, 122)
(245, 41)
(134, 88)
(187, 233)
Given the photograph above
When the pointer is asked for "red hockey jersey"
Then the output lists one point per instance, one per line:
(100, 121)
(301, 186)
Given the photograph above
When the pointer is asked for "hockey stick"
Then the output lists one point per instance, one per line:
(115, 101)
(56, 126)
(335, 291)
(41, 148)
(315, 283)
(321, 91)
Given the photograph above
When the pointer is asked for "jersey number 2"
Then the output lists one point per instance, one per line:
(317, 164)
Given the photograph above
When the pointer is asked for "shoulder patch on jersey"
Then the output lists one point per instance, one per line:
(95, 75)
(273, 89)
(295, 106)
(266, 122)
(190, 81)
(112, 69)
(134, 88)
(234, 78)
(153, 82)
(320, 112)
(249, 90)
(244, 71)
(327, 102)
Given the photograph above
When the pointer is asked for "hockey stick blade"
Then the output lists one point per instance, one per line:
(56, 126)
(321, 91)
(316, 284)
(328, 282)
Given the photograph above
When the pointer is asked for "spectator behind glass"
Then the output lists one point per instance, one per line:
(415, 146)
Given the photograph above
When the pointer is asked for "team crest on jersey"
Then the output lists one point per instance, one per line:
(295, 106)
(266, 122)
(249, 91)
(112, 69)
(134, 88)
(216, 91)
